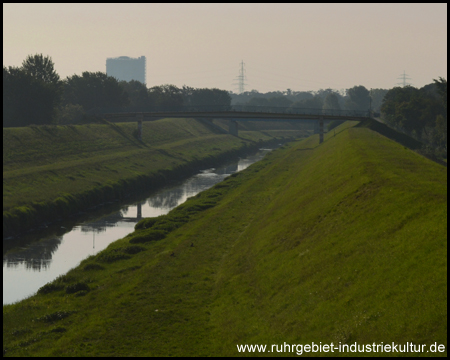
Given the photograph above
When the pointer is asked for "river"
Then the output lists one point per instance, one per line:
(55, 251)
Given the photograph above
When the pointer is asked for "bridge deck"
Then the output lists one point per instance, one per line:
(234, 115)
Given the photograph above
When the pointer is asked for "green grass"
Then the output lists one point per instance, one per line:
(340, 242)
(402, 139)
(55, 171)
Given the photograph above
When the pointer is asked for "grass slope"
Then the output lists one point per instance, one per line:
(54, 171)
(340, 242)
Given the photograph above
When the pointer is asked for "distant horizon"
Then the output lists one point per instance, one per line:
(250, 90)
(302, 47)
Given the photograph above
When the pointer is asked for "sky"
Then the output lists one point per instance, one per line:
(302, 47)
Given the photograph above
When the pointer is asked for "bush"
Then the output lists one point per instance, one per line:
(80, 286)
(168, 226)
(64, 279)
(70, 114)
(89, 267)
(81, 293)
(182, 218)
(48, 288)
(133, 249)
(20, 332)
(200, 207)
(58, 329)
(131, 268)
(59, 315)
(151, 235)
(111, 256)
(146, 223)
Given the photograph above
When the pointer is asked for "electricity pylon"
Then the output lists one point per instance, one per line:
(403, 77)
(241, 79)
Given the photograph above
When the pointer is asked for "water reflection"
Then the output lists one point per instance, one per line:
(36, 256)
(166, 199)
(32, 266)
(228, 169)
(110, 221)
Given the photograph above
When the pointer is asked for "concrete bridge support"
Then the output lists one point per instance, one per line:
(321, 130)
(233, 128)
(139, 211)
(139, 118)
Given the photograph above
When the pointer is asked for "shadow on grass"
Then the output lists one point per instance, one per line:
(123, 134)
(402, 139)
(392, 134)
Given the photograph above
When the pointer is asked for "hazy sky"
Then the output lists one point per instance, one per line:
(297, 46)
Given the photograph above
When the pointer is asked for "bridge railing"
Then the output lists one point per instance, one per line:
(221, 108)
(301, 111)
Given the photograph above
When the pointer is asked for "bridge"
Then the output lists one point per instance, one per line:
(235, 115)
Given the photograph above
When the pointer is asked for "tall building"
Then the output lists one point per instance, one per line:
(124, 68)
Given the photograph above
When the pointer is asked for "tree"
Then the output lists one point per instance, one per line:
(441, 85)
(377, 98)
(411, 109)
(255, 103)
(441, 132)
(396, 104)
(301, 95)
(240, 99)
(331, 102)
(70, 114)
(311, 105)
(94, 90)
(8, 108)
(279, 103)
(208, 99)
(41, 68)
(26, 99)
(358, 98)
(441, 120)
(166, 97)
(323, 93)
(137, 93)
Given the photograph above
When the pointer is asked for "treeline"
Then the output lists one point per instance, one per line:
(357, 98)
(421, 113)
(35, 94)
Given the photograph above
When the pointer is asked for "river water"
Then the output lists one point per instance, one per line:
(28, 268)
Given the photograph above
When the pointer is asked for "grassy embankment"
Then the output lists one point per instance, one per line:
(340, 242)
(51, 172)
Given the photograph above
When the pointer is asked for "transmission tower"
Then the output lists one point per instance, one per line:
(403, 77)
(241, 79)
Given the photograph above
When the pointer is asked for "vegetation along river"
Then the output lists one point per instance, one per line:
(58, 250)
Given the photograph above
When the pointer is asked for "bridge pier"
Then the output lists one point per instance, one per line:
(139, 211)
(321, 130)
(139, 118)
(233, 127)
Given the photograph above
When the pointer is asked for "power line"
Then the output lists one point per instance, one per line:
(403, 77)
(241, 79)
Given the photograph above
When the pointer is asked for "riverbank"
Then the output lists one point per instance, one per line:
(38, 258)
(340, 242)
(54, 172)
